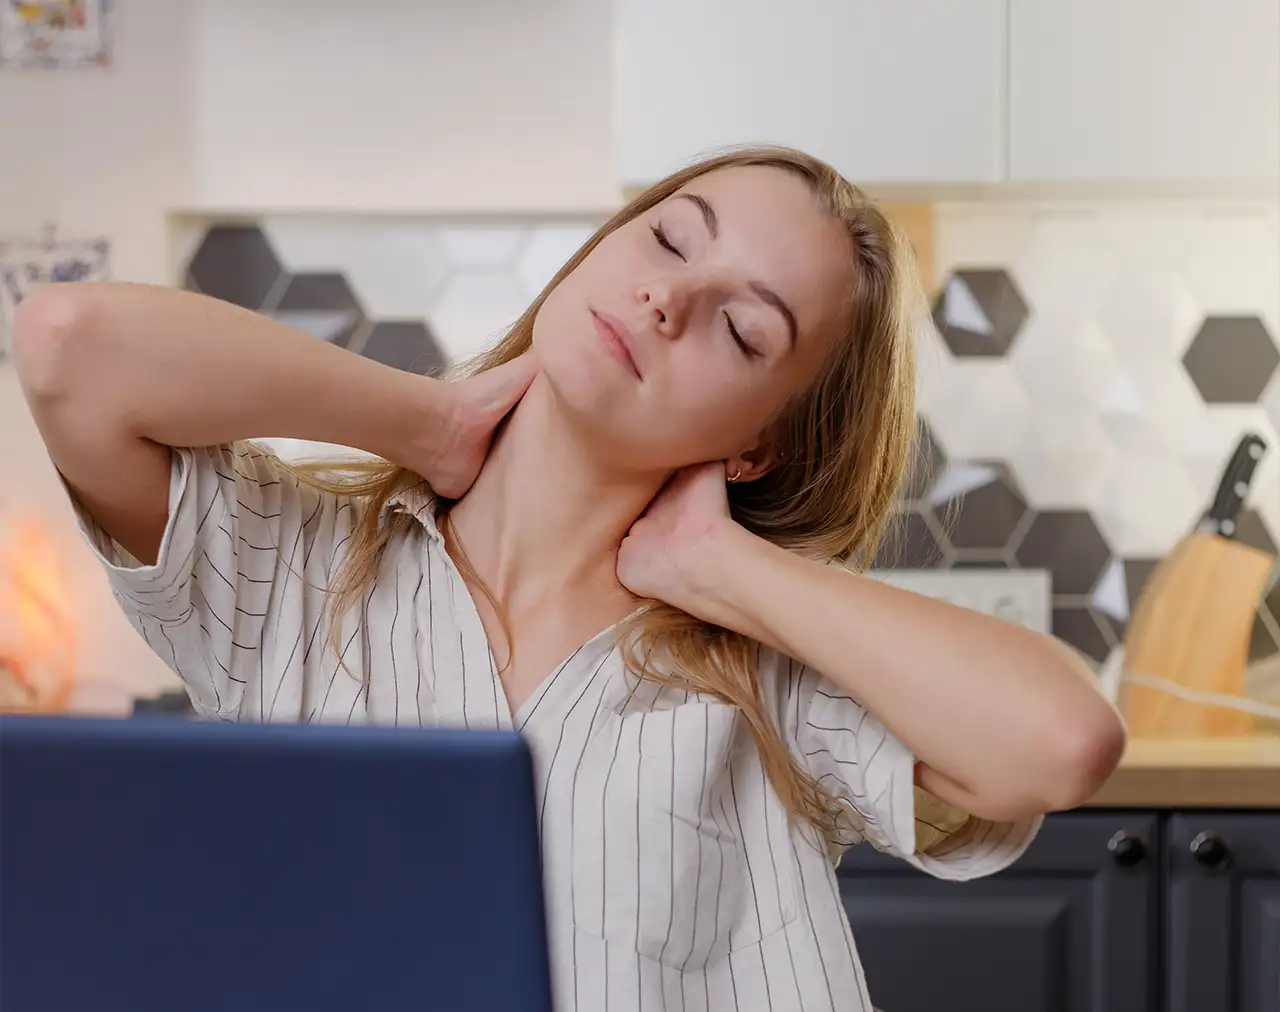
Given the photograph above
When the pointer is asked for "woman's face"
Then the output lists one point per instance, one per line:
(684, 331)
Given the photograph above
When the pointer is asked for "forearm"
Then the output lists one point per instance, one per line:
(1008, 716)
(185, 370)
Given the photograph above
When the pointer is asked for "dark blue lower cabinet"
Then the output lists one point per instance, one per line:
(1222, 913)
(1108, 911)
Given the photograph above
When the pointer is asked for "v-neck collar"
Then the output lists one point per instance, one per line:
(419, 502)
(566, 674)
(553, 684)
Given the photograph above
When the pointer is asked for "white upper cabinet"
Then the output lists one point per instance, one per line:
(1144, 90)
(889, 91)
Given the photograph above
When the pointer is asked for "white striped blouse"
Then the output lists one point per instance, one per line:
(674, 880)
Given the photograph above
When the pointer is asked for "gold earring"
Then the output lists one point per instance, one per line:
(737, 473)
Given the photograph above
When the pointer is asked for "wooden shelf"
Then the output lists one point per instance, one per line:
(1196, 773)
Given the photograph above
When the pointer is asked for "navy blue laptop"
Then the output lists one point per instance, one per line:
(159, 864)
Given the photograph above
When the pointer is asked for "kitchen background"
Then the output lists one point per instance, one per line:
(403, 178)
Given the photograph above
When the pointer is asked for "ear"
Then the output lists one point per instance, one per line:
(753, 463)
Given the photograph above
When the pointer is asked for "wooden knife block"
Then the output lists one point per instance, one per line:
(1192, 626)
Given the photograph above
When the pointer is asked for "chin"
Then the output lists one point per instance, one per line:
(590, 404)
(584, 378)
(607, 422)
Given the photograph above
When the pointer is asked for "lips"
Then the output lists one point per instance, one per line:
(617, 339)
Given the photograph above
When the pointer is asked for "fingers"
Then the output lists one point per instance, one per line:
(499, 389)
(707, 473)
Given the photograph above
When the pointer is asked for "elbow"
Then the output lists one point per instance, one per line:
(49, 331)
(1090, 749)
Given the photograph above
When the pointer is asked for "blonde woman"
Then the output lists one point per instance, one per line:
(712, 401)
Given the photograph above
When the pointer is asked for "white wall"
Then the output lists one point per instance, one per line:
(104, 151)
(96, 153)
(481, 105)
(272, 104)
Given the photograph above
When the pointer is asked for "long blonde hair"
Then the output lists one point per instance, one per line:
(845, 443)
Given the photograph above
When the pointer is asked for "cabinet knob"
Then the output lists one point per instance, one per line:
(1211, 851)
(1128, 849)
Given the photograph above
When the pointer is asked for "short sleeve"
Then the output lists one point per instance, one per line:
(867, 768)
(241, 571)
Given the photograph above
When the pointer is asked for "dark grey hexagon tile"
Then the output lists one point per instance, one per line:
(927, 461)
(1137, 572)
(980, 312)
(319, 290)
(1231, 359)
(1077, 626)
(407, 345)
(912, 542)
(980, 560)
(1252, 530)
(978, 504)
(335, 327)
(1266, 630)
(1271, 601)
(235, 263)
(1265, 639)
(1069, 545)
(322, 304)
(1116, 591)
(1112, 631)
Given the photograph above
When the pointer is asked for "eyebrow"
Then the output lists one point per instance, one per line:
(708, 212)
(765, 293)
(775, 300)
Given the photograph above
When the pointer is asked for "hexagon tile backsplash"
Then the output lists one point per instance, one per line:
(1089, 367)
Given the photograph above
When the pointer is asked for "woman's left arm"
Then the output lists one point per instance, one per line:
(1004, 722)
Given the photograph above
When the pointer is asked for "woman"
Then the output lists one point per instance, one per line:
(712, 401)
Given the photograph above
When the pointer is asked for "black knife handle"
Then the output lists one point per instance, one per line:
(1228, 501)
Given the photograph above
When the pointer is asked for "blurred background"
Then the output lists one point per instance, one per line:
(1092, 190)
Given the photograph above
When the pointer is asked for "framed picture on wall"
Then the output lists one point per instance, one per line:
(28, 263)
(55, 34)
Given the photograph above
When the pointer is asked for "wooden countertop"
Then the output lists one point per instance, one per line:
(1196, 773)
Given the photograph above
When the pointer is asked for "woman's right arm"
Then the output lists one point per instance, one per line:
(116, 374)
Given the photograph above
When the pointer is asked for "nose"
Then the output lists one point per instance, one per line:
(667, 305)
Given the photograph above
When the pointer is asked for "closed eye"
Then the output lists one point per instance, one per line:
(663, 241)
(750, 352)
(745, 348)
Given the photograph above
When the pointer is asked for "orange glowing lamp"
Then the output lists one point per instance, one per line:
(37, 634)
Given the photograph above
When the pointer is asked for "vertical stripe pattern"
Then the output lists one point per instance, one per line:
(674, 879)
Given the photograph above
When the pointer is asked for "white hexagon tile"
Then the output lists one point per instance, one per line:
(1151, 406)
(1234, 264)
(1065, 460)
(1065, 362)
(1155, 237)
(482, 245)
(1068, 264)
(397, 267)
(475, 307)
(1271, 403)
(546, 251)
(1148, 314)
(1146, 504)
(981, 411)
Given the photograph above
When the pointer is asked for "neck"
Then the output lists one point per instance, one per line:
(546, 516)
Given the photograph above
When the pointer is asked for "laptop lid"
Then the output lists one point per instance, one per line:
(156, 864)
